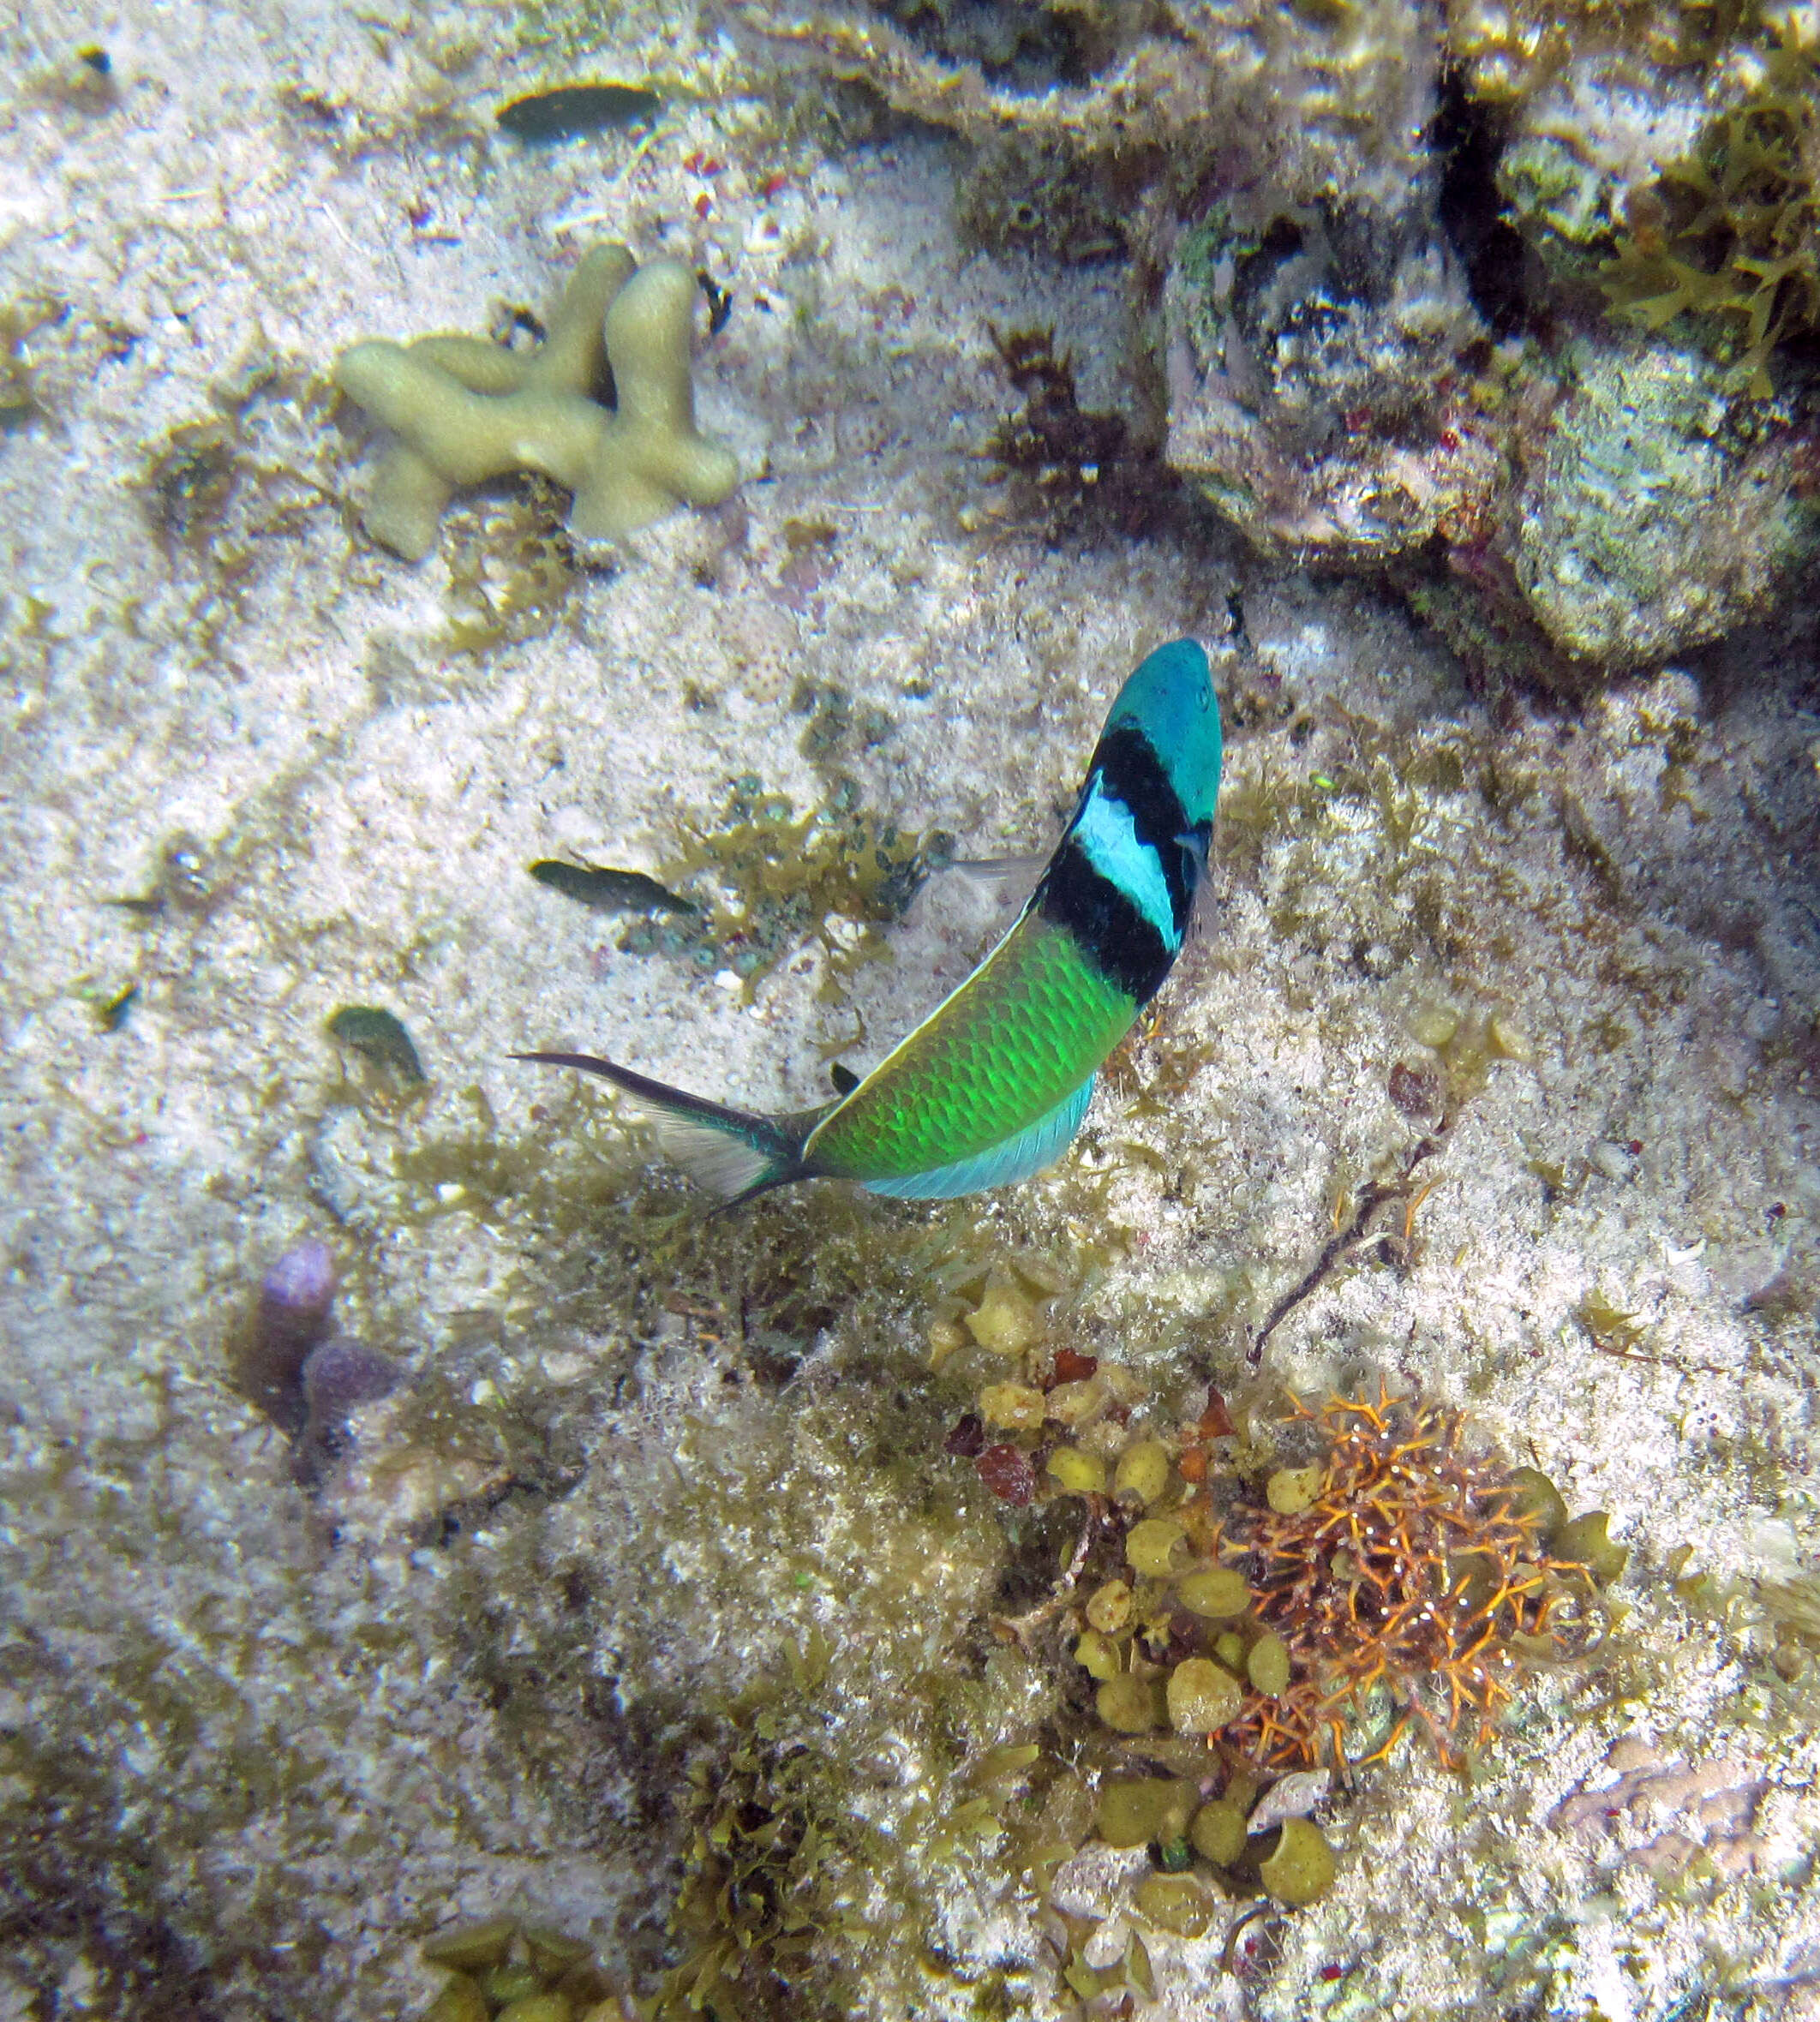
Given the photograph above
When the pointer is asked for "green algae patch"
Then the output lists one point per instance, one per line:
(1299, 1868)
(1217, 1832)
(1178, 1903)
(1583, 1541)
(1538, 1497)
(1268, 1666)
(1111, 1607)
(502, 1972)
(1219, 1593)
(1290, 1490)
(1157, 1546)
(537, 2007)
(1736, 255)
(1203, 1697)
(461, 2001)
(472, 1947)
(508, 1985)
(1143, 1471)
(1150, 1811)
(1007, 1321)
(1130, 1705)
(1075, 1472)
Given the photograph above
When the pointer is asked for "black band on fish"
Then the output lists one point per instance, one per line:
(1108, 926)
(1132, 774)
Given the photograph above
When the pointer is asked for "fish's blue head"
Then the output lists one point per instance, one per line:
(1170, 699)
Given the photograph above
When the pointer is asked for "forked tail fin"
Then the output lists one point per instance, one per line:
(732, 1152)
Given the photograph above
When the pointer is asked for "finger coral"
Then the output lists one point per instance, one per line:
(464, 410)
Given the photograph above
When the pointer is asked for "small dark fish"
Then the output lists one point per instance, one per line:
(608, 890)
(147, 907)
(719, 303)
(377, 1036)
(113, 1015)
(572, 110)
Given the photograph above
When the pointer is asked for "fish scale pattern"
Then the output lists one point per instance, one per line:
(1029, 1027)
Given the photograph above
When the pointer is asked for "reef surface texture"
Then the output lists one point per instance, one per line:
(659, 1600)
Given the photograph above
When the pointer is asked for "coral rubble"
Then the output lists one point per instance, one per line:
(1651, 521)
(464, 410)
(1318, 293)
(1314, 389)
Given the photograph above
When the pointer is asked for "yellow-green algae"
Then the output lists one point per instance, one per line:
(1729, 240)
(770, 879)
(827, 1502)
(501, 1970)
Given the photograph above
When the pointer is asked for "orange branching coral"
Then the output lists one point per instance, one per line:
(1419, 1571)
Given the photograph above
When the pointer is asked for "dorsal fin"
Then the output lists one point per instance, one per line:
(844, 1079)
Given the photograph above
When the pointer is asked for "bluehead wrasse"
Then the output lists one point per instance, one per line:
(991, 1086)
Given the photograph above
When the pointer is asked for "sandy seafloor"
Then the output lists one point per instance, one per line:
(258, 1744)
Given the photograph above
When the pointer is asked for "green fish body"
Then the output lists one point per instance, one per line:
(991, 1086)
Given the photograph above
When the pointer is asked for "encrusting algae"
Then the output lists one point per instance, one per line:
(1249, 1625)
(1401, 1579)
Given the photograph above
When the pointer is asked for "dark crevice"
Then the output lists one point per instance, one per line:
(1467, 144)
